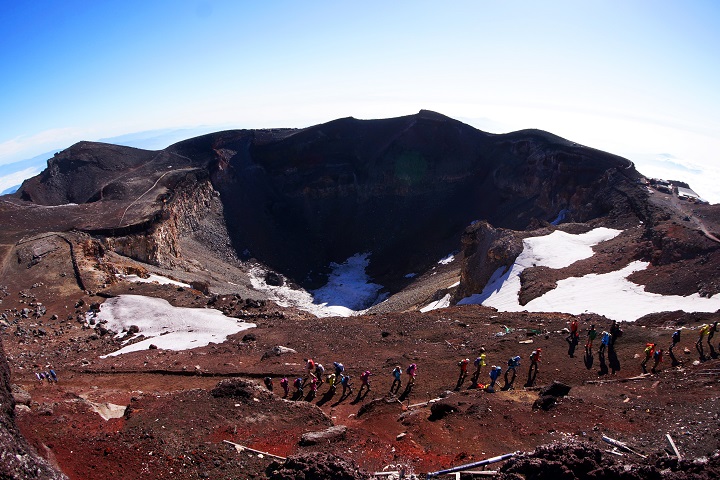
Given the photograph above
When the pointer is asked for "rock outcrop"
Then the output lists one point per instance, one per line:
(485, 250)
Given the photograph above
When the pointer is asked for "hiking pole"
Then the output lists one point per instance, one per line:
(468, 466)
(622, 445)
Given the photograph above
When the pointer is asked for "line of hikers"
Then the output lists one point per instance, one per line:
(313, 378)
(314, 372)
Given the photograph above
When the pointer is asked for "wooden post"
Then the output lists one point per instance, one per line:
(675, 449)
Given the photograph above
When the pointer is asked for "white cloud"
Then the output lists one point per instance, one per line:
(21, 148)
(17, 178)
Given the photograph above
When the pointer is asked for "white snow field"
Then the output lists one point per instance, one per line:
(167, 327)
(347, 292)
(152, 278)
(609, 294)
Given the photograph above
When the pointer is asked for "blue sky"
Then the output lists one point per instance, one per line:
(636, 78)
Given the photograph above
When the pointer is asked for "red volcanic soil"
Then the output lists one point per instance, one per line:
(173, 418)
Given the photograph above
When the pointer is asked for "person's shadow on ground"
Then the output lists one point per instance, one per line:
(362, 393)
(509, 381)
(603, 366)
(460, 381)
(588, 359)
(572, 344)
(326, 398)
(532, 376)
(613, 360)
(406, 393)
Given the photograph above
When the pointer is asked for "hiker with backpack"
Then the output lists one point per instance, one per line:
(339, 369)
(268, 383)
(463, 364)
(397, 383)
(573, 330)
(319, 372)
(332, 382)
(591, 335)
(309, 368)
(364, 381)
(703, 332)
(345, 382)
(649, 352)
(604, 342)
(573, 339)
(675, 339)
(657, 357)
(533, 370)
(711, 334)
(313, 388)
(479, 363)
(285, 386)
(298, 384)
(513, 363)
(615, 332)
(412, 372)
(495, 372)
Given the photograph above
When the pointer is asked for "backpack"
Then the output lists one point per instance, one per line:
(298, 382)
(310, 364)
(410, 369)
(676, 336)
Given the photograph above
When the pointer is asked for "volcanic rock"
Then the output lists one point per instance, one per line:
(315, 466)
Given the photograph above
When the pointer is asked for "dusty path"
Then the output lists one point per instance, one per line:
(694, 220)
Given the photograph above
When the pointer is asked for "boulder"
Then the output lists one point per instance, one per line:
(328, 435)
(277, 351)
(556, 389)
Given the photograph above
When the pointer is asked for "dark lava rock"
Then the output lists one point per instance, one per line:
(274, 279)
(576, 461)
(237, 389)
(440, 410)
(315, 466)
(545, 402)
(201, 286)
(557, 389)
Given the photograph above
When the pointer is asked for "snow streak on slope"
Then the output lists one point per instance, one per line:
(347, 292)
(165, 326)
(609, 294)
(152, 278)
